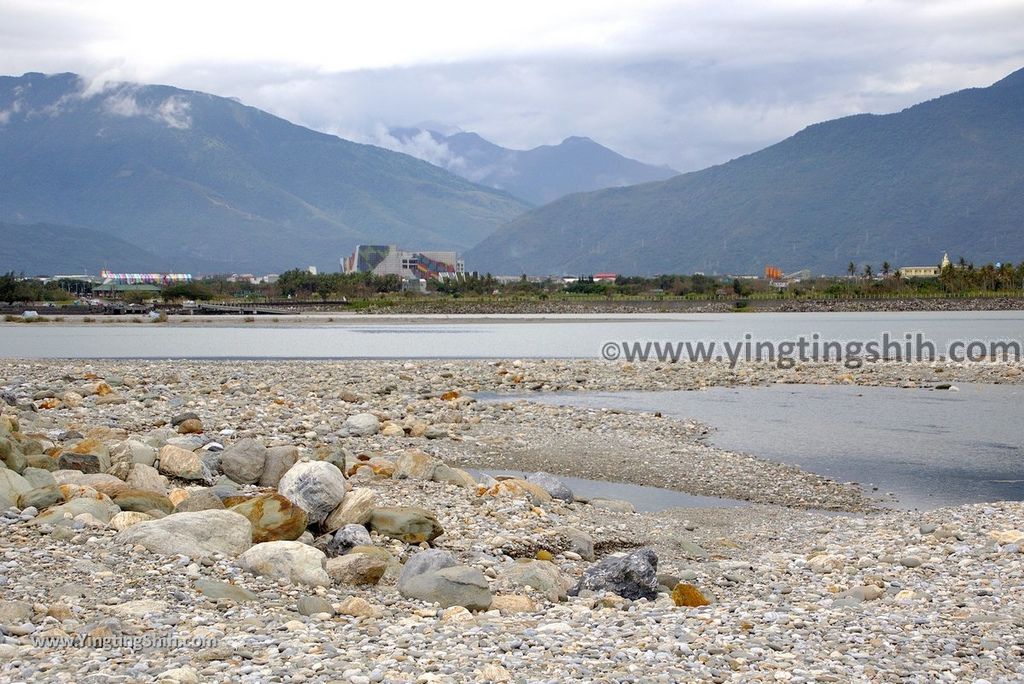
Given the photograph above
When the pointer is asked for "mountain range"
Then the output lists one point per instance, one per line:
(200, 179)
(539, 175)
(944, 175)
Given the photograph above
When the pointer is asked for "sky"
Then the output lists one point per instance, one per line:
(686, 84)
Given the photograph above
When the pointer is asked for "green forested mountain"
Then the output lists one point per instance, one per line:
(944, 175)
(191, 176)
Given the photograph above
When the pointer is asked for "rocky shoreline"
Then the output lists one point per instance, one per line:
(316, 521)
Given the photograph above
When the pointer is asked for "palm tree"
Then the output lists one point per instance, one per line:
(851, 269)
(867, 271)
(886, 268)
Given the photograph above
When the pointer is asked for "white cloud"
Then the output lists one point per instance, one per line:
(686, 83)
(173, 112)
(422, 145)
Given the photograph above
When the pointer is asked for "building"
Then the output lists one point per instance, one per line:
(385, 260)
(925, 271)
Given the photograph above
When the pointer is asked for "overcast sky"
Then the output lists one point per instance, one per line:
(687, 84)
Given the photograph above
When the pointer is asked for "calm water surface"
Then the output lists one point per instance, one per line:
(931, 448)
(499, 336)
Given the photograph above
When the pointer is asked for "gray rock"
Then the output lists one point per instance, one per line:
(196, 535)
(40, 497)
(632, 576)
(911, 562)
(200, 500)
(243, 461)
(459, 585)
(311, 605)
(292, 561)
(15, 612)
(142, 476)
(552, 485)
(279, 460)
(542, 576)
(136, 452)
(430, 560)
(316, 487)
(579, 542)
(182, 417)
(216, 589)
(413, 464)
(346, 538)
(406, 523)
(12, 485)
(183, 463)
(357, 568)
(361, 425)
(38, 477)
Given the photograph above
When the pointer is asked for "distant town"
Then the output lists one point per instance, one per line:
(372, 276)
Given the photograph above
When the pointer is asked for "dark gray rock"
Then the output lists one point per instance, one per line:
(243, 461)
(632, 576)
(552, 485)
(346, 538)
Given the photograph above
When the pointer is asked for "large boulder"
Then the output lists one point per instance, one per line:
(632, 576)
(179, 462)
(244, 461)
(316, 487)
(293, 561)
(196, 535)
(458, 585)
(273, 518)
(406, 523)
(552, 485)
(361, 425)
(356, 509)
(543, 576)
(279, 460)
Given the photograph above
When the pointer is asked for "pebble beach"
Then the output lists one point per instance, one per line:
(308, 521)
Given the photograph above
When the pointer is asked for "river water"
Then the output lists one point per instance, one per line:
(499, 336)
(930, 448)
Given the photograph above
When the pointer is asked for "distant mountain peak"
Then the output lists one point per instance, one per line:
(538, 175)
